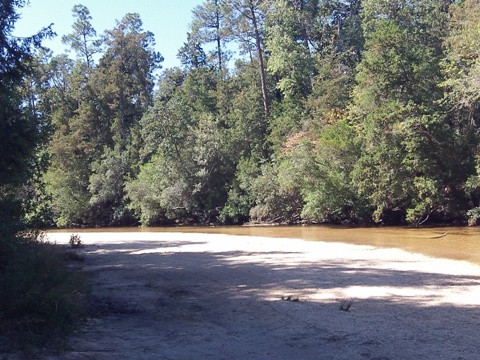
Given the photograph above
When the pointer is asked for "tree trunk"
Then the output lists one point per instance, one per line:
(258, 44)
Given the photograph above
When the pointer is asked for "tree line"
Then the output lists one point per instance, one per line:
(331, 112)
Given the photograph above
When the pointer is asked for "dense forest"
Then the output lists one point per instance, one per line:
(283, 111)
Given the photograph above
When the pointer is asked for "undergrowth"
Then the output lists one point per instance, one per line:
(41, 299)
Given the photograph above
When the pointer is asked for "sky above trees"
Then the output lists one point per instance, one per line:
(167, 20)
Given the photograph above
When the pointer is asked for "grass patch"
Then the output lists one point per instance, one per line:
(41, 299)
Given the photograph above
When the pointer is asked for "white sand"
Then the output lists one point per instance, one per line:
(203, 296)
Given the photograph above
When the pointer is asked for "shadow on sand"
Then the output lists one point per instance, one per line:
(175, 300)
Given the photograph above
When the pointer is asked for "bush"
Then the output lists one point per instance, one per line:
(277, 201)
(75, 241)
(40, 299)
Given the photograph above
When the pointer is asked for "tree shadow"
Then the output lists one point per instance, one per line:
(276, 302)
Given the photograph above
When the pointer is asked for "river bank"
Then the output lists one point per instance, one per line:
(212, 296)
(455, 243)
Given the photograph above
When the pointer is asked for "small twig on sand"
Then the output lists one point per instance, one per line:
(440, 236)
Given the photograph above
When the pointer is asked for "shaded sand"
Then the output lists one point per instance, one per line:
(210, 296)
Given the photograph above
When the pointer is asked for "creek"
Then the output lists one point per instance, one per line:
(457, 243)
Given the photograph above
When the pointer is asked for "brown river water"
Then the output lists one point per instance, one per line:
(458, 243)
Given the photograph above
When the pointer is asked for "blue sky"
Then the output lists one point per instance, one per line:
(168, 20)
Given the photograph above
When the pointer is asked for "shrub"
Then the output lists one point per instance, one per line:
(75, 241)
(40, 299)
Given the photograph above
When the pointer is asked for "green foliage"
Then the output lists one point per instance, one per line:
(462, 64)
(240, 196)
(286, 120)
(191, 54)
(324, 166)
(287, 42)
(246, 125)
(96, 110)
(107, 188)
(82, 40)
(145, 192)
(67, 178)
(208, 26)
(21, 130)
(276, 198)
(461, 69)
(185, 140)
(332, 88)
(40, 299)
(335, 111)
(472, 190)
(406, 143)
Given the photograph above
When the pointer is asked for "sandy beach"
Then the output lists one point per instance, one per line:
(211, 296)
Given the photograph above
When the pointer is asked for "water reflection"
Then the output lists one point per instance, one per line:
(459, 243)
